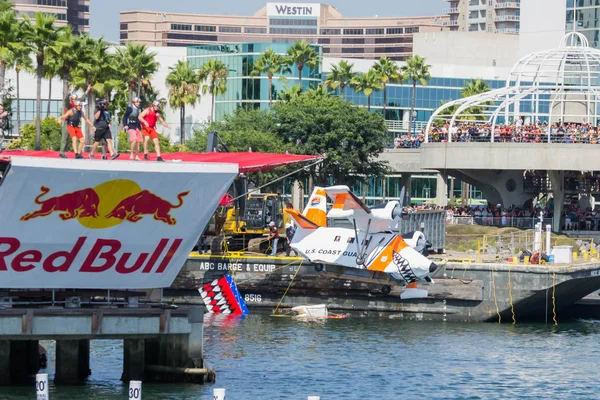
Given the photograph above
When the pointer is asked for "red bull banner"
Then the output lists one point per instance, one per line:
(79, 224)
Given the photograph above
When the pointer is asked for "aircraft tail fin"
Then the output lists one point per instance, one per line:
(316, 209)
(301, 220)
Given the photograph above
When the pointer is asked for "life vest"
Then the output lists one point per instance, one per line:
(75, 119)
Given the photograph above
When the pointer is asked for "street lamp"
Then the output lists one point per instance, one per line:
(162, 17)
(414, 118)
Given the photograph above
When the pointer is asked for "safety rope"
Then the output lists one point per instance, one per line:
(554, 297)
(512, 307)
(288, 288)
(495, 299)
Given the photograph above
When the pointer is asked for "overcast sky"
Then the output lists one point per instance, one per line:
(104, 14)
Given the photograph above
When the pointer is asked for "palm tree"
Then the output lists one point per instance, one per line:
(415, 69)
(340, 75)
(388, 72)
(22, 61)
(51, 70)
(183, 84)
(40, 36)
(301, 54)
(290, 93)
(215, 72)
(476, 86)
(271, 63)
(138, 65)
(366, 83)
(70, 54)
(5, 5)
(319, 91)
(9, 40)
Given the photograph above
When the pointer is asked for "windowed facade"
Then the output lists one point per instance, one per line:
(73, 12)
(318, 24)
(584, 16)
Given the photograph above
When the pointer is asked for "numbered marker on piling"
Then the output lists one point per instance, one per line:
(135, 390)
(314, 398)
(219, 394)
(41, 387)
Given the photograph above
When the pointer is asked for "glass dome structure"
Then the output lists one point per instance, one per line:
(557, 85)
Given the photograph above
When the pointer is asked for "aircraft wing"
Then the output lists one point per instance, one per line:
(345, 203)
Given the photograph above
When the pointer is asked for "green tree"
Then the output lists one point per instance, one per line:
(350, 136)
(289, 93)
(241, 131)
(5, 5)
(184, 85)
(366, 83)
(416, 70)
(39, 36)
(215, 72)
(271, 63)
(137, 65)
(303, 54)
(318, 92)
(475, 87)
(388, 72)
(340, 75)
(9, 40)
(22, 61)
(51, 70)
(48, 140)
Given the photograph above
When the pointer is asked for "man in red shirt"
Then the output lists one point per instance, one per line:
(273, 237)
(148, 119)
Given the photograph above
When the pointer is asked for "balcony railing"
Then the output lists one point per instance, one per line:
(508, 31)
(451, 11)
(504, 18)
(477, 20)
(450, 23)
(507, 4)
(405, 126)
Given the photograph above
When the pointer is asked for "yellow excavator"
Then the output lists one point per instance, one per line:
(245, 224)
(242, 221)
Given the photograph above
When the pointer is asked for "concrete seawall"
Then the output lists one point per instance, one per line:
(461, 291)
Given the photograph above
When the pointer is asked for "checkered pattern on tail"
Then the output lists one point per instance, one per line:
(221, 296)
(404, 268)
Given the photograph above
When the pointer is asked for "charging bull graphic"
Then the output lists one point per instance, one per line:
(107, 205)
(79, 204)
(146, 203)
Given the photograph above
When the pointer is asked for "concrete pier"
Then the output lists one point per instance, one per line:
(167, 338)
(461, 291)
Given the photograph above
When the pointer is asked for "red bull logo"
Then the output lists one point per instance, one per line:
(315, 201)
(106, 205)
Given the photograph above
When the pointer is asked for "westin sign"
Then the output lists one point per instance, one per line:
(293, 9)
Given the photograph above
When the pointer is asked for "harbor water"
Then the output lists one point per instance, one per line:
(262, 357)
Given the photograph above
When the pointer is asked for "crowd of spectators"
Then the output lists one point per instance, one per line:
(574, 218)
(516, 132)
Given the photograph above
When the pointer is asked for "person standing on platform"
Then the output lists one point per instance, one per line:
(73, 118)
(102, 125)
(289, 234)
(133, 126)
(148, 119)
(69, 104)
(273, 237)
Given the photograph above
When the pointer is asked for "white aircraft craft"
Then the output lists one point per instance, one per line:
(372, 243)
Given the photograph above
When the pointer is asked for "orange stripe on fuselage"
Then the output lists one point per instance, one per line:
(387, 255)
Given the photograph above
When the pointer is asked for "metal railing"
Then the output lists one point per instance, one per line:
(515, 138)
(500, 222)
(507, 4)
(450, 23)
(405, 126)
(502, 18)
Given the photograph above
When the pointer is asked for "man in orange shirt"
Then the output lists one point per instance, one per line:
(148, 119)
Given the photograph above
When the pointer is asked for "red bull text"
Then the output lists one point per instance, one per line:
(105, 254)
